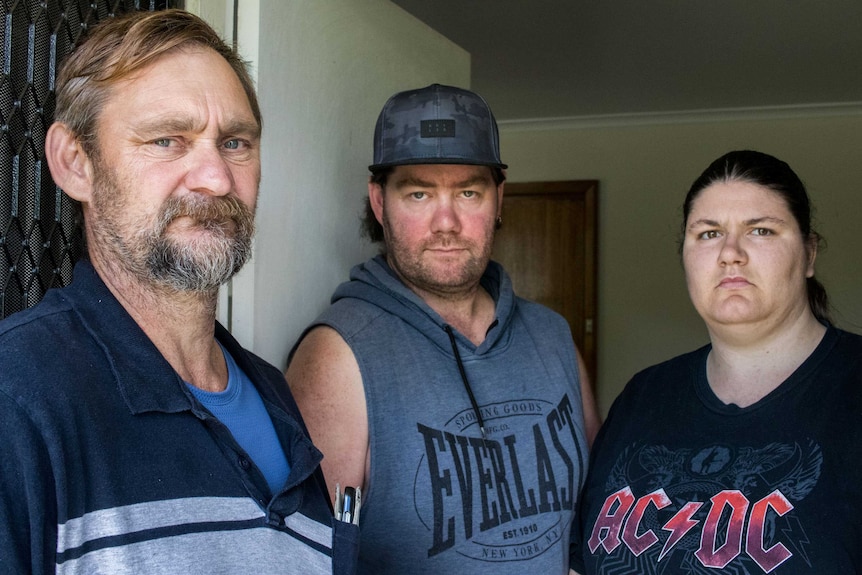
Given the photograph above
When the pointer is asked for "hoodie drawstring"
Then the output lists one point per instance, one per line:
(463, 373)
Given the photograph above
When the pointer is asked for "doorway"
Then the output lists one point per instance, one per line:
(547, 244)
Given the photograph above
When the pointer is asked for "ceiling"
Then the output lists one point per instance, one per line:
(535, 59)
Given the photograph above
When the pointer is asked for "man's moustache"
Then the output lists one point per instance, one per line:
(212, 213)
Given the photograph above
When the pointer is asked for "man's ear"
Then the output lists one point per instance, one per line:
(70, 166)
(375, 197)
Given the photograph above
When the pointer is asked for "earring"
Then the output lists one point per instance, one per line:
(499, 220)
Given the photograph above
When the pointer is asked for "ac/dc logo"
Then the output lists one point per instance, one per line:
(732, 526)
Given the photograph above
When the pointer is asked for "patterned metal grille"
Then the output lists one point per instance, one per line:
(40, 227)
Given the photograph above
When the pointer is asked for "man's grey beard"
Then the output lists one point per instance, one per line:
(147, 252)
(183, 266)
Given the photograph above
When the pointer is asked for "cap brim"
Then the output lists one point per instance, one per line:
(453, 161)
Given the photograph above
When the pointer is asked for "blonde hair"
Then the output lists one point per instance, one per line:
(117, 48)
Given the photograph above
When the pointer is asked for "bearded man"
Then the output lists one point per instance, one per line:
(461, 411)
(138, 435)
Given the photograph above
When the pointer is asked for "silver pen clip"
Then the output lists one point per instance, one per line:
(347, 504)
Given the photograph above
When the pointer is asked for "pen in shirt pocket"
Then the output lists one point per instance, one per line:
(347, 504)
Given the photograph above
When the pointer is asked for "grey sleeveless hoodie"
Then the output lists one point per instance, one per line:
(441, 498)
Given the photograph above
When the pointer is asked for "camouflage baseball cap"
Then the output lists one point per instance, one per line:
(436, 125)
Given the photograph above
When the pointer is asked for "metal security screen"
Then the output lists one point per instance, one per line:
(40, 228)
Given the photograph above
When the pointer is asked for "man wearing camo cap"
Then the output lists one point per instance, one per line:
(455, 405)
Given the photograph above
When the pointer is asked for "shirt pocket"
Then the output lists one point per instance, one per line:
(345, 548)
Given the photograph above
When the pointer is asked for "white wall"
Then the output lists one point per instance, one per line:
(644, 169)
(324, 70)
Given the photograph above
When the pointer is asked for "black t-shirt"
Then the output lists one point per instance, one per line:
(680, 482)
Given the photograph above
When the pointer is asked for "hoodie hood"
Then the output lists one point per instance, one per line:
(376, 283)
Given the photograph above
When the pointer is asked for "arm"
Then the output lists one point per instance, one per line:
(592, 420)
(327, 386)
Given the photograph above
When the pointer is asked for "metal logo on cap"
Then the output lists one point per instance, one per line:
(437, 128)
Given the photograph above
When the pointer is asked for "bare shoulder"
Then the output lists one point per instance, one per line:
(323, 362)
(324, 378)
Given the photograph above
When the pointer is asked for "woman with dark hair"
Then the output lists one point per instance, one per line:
(742, 456)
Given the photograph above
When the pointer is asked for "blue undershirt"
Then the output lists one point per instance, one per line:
(241, 409)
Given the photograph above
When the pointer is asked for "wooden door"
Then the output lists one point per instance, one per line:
(547, 244)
